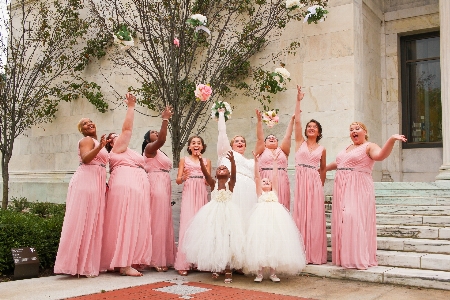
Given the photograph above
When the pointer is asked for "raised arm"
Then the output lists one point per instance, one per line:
(378, 154)
(88, 151)
(257, 176)
(223, 144)
(127, 128)
(323, 166)
(259, 147)
(232, 181)
(151, 148)
(211, 182)
(298, 123)
(286, 142)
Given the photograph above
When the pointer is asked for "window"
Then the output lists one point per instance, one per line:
(421, 90)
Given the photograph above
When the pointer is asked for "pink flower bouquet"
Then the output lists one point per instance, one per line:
(270, 118)
(203, 92)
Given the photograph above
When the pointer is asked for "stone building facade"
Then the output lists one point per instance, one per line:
(352, 69)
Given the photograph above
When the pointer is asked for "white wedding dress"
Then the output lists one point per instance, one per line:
(244, 193)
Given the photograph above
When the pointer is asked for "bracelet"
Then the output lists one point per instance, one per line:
(166, 120)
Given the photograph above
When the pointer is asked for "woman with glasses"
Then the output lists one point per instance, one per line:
(127, 238)
(269, 150)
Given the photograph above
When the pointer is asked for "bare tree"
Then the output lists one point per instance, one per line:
(42, 63)
(172, 56)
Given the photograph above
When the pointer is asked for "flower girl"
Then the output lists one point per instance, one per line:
(273, 239)
(215, 238)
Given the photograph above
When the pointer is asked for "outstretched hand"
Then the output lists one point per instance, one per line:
(167, 112)
(399, 137)
(130, 100)
(104, 141)
(300, 94)
(258, 114)
(230, 156)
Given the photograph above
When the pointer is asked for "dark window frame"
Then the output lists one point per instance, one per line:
(406, 102)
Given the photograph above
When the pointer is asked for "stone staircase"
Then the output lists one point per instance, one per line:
(413, 225)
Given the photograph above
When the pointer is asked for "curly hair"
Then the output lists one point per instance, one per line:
(190, 140)
(319, 127)
(108, 145)
(360, 124)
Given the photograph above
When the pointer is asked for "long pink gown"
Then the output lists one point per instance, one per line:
(194, 196)
(163, 242)
(265, 170)
(127, 235)
(309, 209)
(81, 237)
(353, 221)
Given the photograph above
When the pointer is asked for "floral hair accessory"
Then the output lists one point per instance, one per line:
(221, 105)
(315, 14)
(123, 37)
(203, 92)
(199, 22)
(270, 118)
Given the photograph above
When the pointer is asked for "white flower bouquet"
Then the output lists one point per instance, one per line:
(199, 22)
(316, 13)
(221, 105)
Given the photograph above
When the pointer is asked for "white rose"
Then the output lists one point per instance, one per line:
(283, 72)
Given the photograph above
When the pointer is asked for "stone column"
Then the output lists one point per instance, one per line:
(444, 15)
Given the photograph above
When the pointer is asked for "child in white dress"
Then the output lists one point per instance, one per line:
(214, 240)
(273, 240)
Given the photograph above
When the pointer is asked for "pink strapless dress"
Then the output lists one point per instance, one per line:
(81, 237)
(265, 170)
(309, 209)
(194, 196)
(353, 221)
(127, 235)
(163, 242)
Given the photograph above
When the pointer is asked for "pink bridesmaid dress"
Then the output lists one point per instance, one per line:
(81, 237)
(163, 242)
(309, 209)
(265, 170)
(353, 222)
(194, 196)
(127, 235)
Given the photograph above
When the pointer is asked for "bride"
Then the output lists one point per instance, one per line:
(244, 194)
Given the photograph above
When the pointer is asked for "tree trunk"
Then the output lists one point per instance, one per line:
(5, 177)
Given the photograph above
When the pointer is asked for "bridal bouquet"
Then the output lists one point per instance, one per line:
(203, 92)
(283, 75)
(270, 118)
(315, 14)
(221, 105)
(199, 22)
(123, 38)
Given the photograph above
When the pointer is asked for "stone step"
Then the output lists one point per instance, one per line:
(410, 220)
(436, 210)
(410, 245)
(417, 232)
(411, 200)
(382, 274)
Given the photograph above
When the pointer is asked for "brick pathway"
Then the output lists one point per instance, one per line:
(185, 290)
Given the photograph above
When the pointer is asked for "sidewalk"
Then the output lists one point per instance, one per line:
(62, 286)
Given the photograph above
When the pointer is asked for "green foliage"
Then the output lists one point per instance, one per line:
(27, 229)
(123, 33)
(18, 204)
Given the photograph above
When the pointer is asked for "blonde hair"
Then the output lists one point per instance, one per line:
(80, 124)
(232, 140)
(360, 124)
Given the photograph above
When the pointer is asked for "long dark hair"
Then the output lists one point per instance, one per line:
(319, 127)
(108, 145)
(190, 140)
(146, 140)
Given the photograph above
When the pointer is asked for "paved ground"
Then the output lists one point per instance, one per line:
(63, 287)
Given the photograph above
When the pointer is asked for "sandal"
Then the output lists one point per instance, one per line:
(129, 271)
(159, 269)
(214, 275)
(164, 269)
(182, 272)
(228, 278)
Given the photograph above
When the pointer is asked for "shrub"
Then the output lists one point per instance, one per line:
(40, 228)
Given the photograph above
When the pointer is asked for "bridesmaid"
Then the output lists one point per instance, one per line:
(158, 166)
(268, 151)
(309, 209)
(194, 194)
(353, 223)
(81, 236)
(127, 240)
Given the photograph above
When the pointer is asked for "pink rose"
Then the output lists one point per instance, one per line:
(203, 92)
(176, 42)
(276, 119)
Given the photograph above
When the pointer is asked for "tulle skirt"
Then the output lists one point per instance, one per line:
(215, 237)
(273, 240)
